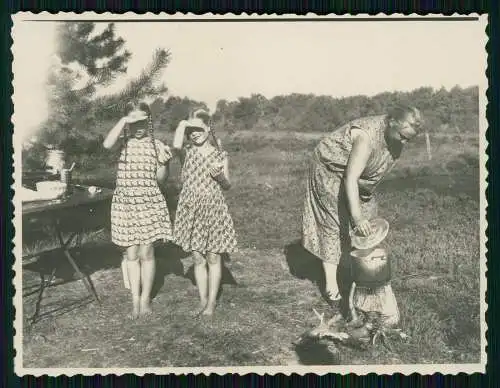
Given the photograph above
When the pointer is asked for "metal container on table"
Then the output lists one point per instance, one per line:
(55, 160)
(66, 178)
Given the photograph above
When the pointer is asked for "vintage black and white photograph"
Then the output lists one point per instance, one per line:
(268, 194)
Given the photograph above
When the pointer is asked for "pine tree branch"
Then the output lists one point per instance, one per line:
(138, 88)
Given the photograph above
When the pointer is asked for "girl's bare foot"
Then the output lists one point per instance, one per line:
(199, 310)
(146, 308)
(135, 313)
(209, 310)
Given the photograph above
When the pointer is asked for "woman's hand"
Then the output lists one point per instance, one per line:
(220, 171)
(127, 120)
(363, 227)
(163, 155)
(134, 117)
(217, 168)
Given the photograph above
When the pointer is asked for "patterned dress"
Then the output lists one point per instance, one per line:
(326, 219)
(202, 220)
(139, 213)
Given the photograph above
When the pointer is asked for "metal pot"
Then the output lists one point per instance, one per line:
(370, 268)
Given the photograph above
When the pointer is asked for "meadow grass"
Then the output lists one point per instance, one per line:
(271, 285)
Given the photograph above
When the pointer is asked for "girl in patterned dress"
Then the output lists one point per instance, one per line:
(345, 169)
(139, 213)
(203, 225)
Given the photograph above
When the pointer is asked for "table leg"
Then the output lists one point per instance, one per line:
(85, 278)
(40, 295)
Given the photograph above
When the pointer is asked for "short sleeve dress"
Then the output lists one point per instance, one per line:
(202, 220)
(326, 219)
(139, 212)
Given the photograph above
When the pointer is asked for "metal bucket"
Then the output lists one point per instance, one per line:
(370, 268)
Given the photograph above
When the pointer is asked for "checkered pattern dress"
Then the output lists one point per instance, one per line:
(202, 220)
(139, 213)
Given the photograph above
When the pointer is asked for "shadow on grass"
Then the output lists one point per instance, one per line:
(227, 276)
(304, 265)
(168, 261)
(88, 258)
(313, 352)
(54, 310)
(91, 259)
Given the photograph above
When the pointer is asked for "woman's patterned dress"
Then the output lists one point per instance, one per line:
(202, 220)
(326, 219)
(139, 213)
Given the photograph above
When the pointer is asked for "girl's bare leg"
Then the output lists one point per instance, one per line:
(214, 277)
(148, 267)
(134, 276)
(201, 277)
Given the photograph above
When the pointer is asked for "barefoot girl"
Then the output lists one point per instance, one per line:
(203, 225)
(139, 213)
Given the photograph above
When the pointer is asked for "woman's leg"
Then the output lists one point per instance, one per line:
(214, 277)
(134, 276)
(331, 286)
(201, 277)
(148, 267)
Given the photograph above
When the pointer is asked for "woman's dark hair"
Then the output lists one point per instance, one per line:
(145, 107)
(131, 106)
(203, 114)
(401, 112)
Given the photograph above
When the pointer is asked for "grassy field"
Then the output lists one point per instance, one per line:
(271, 285)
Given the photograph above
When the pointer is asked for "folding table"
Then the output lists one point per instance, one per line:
(74, 214)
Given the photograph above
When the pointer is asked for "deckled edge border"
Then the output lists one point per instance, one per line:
(359, 370)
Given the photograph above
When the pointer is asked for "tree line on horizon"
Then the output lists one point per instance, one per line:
(456, 109)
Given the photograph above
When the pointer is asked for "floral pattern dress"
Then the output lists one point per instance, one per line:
(202, 220)
(326, 219)
(139, 213)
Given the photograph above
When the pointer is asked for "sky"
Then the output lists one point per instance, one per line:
(211, 61)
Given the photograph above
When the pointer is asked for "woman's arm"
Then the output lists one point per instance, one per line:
(164, 156)
(224, 181)
(179, 135)
(358, 158)
(226, 170)
(163, 152)
(114, 134)
(225, 165)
